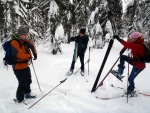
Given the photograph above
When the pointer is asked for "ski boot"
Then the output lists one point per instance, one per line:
(82, 72)
(131, 93)
(118, 73)
(23, 101)
(29, 96)
(70, 72)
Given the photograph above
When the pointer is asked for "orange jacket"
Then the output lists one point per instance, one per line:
(21, 53)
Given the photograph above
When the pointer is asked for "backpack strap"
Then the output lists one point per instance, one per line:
(18, 42)
(20, 45)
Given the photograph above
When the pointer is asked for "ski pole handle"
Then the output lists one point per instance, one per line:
(63, 80)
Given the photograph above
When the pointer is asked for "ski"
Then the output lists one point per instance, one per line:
(144, 94)
(25, 102)
(121, 96)
(108, 98)
(83, 75)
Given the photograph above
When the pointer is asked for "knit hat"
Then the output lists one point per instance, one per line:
(135, 35)
(23, 30)
(82, 31)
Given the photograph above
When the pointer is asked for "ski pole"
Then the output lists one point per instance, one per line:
(101, 83)
(89, 61)
(80, 67)
(102, 65)
(35, 75)
(48, 92)
(128, 76)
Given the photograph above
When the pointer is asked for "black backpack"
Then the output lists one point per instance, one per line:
(147, 52)
(9, 59)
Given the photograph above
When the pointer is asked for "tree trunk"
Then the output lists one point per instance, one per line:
(12, 13)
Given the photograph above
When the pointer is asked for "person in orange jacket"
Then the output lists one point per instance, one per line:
(20, 50)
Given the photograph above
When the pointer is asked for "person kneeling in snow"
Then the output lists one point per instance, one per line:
(137, 50)
(81, 42)
(20, 50)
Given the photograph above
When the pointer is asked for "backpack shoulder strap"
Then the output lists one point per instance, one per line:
(18, 42)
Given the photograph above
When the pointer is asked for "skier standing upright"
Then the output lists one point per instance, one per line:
(137, 50)
(20, 51)
(81, 42)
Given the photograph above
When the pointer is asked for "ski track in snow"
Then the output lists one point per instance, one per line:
(73, 96)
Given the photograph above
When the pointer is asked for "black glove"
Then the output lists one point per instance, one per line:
(117, 37)
(35, 56)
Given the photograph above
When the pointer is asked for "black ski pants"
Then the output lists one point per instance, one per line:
(81, 56)
(24, 80)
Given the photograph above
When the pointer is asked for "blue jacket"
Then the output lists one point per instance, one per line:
(82, 43)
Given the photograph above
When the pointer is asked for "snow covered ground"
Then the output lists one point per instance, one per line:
(73, 96)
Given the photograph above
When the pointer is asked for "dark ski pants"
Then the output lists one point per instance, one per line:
(24, 79)
(81, 56)
(135, 71)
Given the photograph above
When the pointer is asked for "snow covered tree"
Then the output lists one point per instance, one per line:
(101, 18)
(53, 22)
(115, 15)
(1, 20)
(22, 12)
(137, 17)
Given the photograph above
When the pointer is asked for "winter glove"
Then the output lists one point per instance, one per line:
(117, 37)
(31, 46)
(35, 56)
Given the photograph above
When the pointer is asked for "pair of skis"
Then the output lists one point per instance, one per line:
(83, 75)
(25, 102)
(145, 94)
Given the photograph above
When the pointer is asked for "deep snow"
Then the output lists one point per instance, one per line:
(74, 95)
